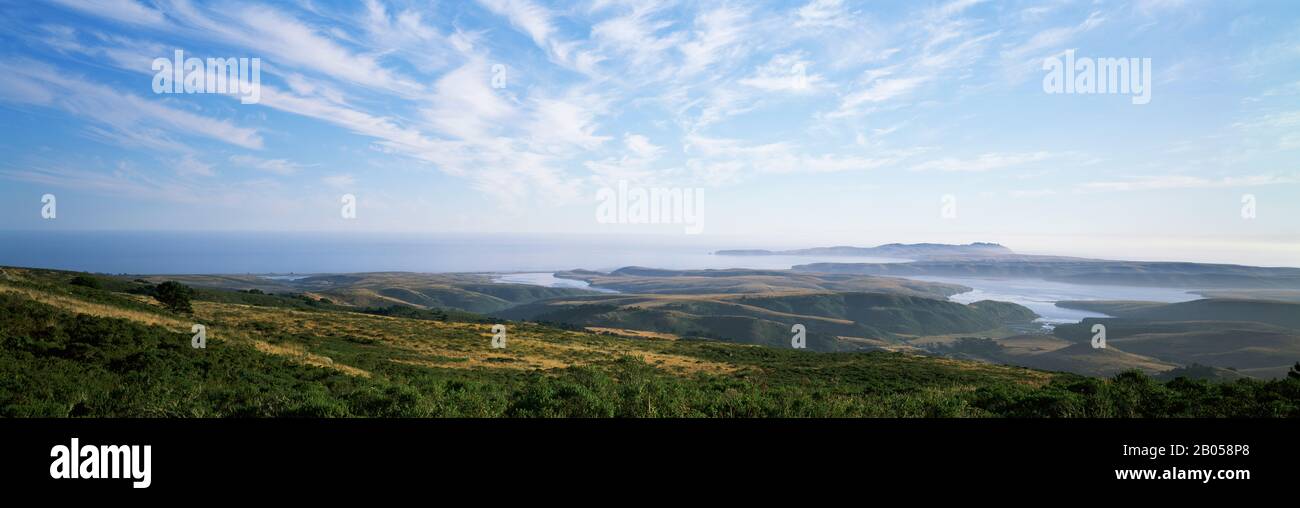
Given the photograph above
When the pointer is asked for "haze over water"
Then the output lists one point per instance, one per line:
(521, 259)
(237, 253)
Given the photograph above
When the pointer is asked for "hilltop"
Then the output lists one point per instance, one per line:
(890, 250)
(983, 259)
(1094, 271)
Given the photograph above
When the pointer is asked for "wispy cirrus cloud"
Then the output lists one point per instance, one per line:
(276, 166)
(676, 93)
(983, 162)
(1167, 182)
(34, 83)
(127, 11)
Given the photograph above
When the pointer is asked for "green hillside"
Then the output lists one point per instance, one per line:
(1082, 271)
(111, 349)
(1255, 349)
(641, 280)
(466, 292)
(767, 319)
(1283, 314)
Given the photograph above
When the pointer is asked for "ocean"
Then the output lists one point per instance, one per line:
(165, 253)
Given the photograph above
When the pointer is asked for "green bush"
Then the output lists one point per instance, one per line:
(175, 296)
(57, 364)
(86, 281)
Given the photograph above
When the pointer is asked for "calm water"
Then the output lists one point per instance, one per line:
(1041, 295)
(283, 253)
(547, 279)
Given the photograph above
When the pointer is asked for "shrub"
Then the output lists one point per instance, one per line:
(174, 296)
(85, 281)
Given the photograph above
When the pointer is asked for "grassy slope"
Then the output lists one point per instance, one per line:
(467, 292)
(1255, 337)
(76, 351)
(657, 281)
(767, 319)
(1283, 314)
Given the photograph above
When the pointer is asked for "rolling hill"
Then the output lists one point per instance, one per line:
(1099, 272)
(1251, 348)
(1283, 314)
(914, 251)
(832, 320)
(466, 292)
(82, 345)
(641, 280)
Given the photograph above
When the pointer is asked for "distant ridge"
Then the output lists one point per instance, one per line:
(895, 250)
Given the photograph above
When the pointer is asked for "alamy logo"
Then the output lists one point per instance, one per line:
(948, 207)
(498, 336)
(800, 338)
(658, 205)
(102, 461)
(349, 210)
(1098, 336)
(49, 207)
(1126, 76)
(232, 76)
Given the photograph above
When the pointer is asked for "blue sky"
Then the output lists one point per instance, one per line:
(806, 123)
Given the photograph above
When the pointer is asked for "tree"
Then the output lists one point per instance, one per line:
(1295, 371)
(85, 281)
(174, 295)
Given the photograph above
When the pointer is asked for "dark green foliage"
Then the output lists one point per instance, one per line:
(259, 298)
(1136, 395)
(175, 296)
(1198, 371)
(58, 364)
(978, 346)
(767, 320)
(86, 281)
(408, 312)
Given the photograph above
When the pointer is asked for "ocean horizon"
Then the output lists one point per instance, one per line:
(225, 253)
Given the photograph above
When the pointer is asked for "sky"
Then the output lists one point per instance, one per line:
(799, 123)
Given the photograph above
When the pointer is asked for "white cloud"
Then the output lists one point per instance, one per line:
(715, 36)
(341, 182)
(1027, 57)
(276, 166)
(789, 72)
(1032, 193)
(39, 84)
(189, 165)
(1189, 182)
(641, 146)
(536, 21)
(823, 14)
(464, 104)
(559, 125)
(634, 39)
(984, 162)
(128, 11)
(273, 35)
(722, 160)
(882, 90)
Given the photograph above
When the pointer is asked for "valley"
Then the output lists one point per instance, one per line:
(93, 345)
(1005, 308)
